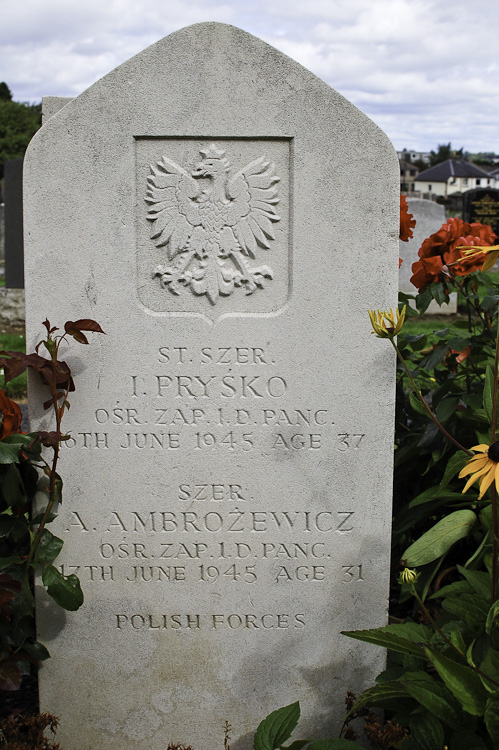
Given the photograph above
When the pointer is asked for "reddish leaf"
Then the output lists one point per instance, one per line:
(14, 365)
(47, 326)
(10, 675)
(78, 335)
(50, 439)
(11, 416)
(9, 588)
(75, 329)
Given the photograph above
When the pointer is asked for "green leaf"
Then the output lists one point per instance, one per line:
(428, 732)
(11, 486)
(446, 408)
(9, 454)
(479, 580)
(439, 295)
(492, 717)
(11, 446)
(37, 651)
(461, 680)
(423, 299)
(65, 590)
(440, 538)
(385, 691)
(467, 607)
(50, 546)
(391, 636)
(492, 623)
(436, 357)
(454, 466)
(489, 301)
(277, 727)
(490, 666)
(487, 392)
(466, 740)
(453, 631)
(434, 697)
(296, 745)
(335, 744)
(416, 404)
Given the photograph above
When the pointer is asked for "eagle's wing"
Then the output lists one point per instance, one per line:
(173, 213)
(251, 212)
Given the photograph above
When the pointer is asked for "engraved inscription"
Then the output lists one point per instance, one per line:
(233, 621)
(211, 223)
(210, 530)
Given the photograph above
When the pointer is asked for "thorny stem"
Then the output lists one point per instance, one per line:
(423, 402)
(52, 488)
(463, 288)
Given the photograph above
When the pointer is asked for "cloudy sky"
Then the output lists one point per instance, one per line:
(426, 71)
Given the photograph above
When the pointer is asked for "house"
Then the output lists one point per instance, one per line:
(413, 156)
(408, 173)
(453, 176)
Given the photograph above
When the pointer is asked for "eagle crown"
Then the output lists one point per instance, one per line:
(213, 164)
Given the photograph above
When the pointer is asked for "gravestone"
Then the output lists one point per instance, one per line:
(482, 205)
(14, 243)
(228, 478)
(51, 105)
(2, 231)
(429, 218)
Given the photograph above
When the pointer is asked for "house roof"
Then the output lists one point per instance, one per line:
(408, 165)
(452, 168)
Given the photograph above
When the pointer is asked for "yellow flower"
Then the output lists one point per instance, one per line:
(484, 466)
(408, 576)
(491, 250)
(387, 324)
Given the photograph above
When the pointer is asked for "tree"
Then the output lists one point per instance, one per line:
(444, 152)
(18, 124)
(5, 92)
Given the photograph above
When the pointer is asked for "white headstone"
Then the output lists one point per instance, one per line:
(429, 218)
(51, 105)
(228, 481)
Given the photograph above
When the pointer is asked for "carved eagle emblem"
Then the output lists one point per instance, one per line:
(211, 223)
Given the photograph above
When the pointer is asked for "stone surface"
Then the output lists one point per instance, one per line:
(14, 243)
(482, 205)
(2, 232)
(227, 484)
(51, 105)
(429, 218)
(12, 310)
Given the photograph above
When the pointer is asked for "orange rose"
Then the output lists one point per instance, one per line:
(441, 257)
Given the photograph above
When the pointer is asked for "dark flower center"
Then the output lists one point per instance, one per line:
(493, 452)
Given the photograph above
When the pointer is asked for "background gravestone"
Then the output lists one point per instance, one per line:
(429, 218)
(227, 484)
(14, 243)
(482, 205)
(2, 232)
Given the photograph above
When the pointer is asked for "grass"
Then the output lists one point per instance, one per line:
(17, 388)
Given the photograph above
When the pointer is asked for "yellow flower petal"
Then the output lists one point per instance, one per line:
(474, 464)
(487, 480)
(474, 477)
(490, 261)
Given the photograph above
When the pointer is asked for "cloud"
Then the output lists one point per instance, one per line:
(426, 73)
